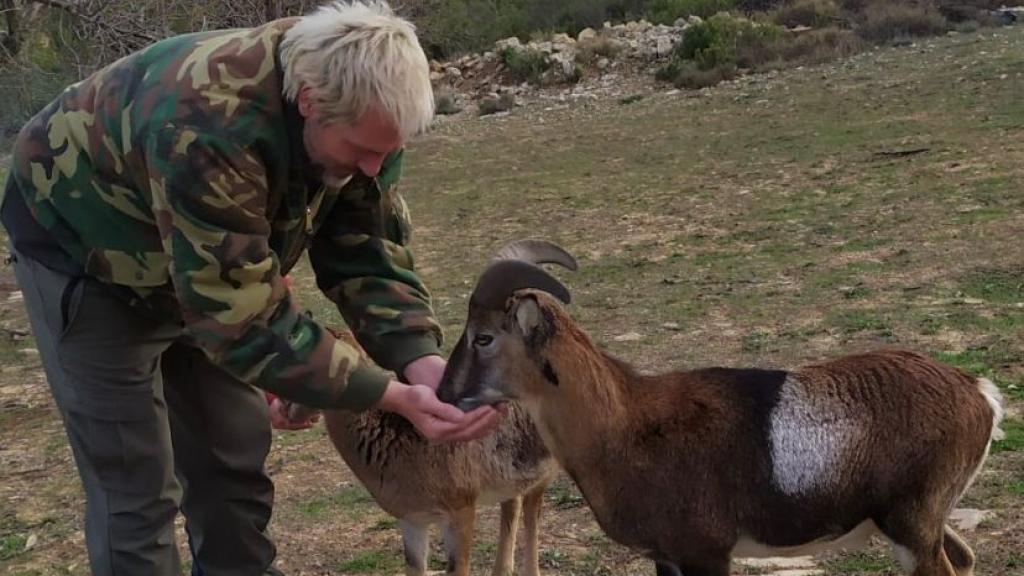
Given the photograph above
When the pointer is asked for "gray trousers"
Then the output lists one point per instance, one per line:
(154, 428)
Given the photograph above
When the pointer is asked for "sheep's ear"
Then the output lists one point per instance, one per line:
(529, 319)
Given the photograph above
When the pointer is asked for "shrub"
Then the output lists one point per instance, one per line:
(723, 40)
(525, 65)
(884, 21)
(503, 103)
(813, 13)
(668, 11)
(445, 103)
(597, 47)
(692, 77)
(823, 45)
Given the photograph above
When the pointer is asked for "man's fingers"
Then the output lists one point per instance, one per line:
(483, 426)
(443, 411)
(478, 423)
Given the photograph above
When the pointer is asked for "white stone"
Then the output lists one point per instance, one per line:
(967, 519)
(511, 42)
(664, 46)
(562, 38)
(588, 33)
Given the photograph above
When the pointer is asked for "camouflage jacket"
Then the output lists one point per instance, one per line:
(180, 172)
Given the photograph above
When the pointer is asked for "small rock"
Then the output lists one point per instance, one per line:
(967, 519)
(562, 38)
(780, 562)
(452, 73)
(663, 46)
(30, 543)
(511, 42)
(628, 337)
(602, 63)
(589, 33)
(15, 296)
(694, 20)
(680, 22)
(671, 326)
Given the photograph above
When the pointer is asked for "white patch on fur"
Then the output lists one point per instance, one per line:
(810, 439)
(853, 540)
(995, 399)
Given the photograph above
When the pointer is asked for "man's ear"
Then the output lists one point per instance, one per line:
(305, 101)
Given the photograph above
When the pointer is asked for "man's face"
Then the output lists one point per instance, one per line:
(344, 149)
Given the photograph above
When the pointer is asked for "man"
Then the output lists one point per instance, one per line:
(153, 209)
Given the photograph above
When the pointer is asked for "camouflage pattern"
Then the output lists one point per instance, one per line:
(179, 172)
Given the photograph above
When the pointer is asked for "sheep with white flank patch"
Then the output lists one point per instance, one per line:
(696, 467)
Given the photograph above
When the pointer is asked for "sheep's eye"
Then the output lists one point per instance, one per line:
(482, 340)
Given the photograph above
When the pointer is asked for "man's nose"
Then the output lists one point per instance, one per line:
(370, 166)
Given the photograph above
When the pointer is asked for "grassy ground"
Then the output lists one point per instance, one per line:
(771, 221)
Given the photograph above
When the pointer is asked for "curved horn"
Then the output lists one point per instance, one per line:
(504, 277)
(536, 252)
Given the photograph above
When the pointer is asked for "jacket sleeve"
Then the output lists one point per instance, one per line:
(363, 265)
(209, 200)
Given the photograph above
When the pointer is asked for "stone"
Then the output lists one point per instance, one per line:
(562, 38)
(452, 73)
(511, 43)
(967, 519)
(663, 46)
(588, 33)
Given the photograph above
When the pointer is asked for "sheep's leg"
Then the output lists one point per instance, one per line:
(458, 540)
(415, 542)
(532, 503)
(958, 552)
(917, 544)
(663, 569)
(504, 563)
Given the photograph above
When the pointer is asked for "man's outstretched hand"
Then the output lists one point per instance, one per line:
(435, 420)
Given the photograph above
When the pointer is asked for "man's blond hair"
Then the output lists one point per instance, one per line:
(357, 53)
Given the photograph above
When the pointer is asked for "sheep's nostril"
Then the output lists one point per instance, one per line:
(469, 404)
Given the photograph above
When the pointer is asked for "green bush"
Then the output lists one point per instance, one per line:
(525, 65)
(502, 103)
(690, 76)
(723, 40)
(822, 45)
(813, 13)
(445, 103)
(594, 48)
(668, 11)
(884, 21)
